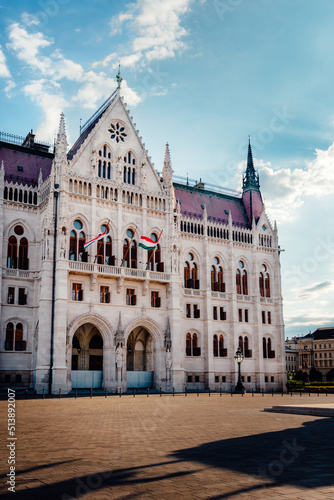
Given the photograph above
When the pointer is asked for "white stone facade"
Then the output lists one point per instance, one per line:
(137, 340)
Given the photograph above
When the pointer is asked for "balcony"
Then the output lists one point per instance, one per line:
(88, 268)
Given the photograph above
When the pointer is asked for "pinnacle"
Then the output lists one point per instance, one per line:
(167, 155)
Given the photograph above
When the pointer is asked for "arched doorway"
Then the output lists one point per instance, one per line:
(140, 359)
(87, 358)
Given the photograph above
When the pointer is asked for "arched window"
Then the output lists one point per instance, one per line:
(14, 337)
(241, 344)
(222, 350)
(221, 284)
(188, 344)
(264, 346)
(268, 352)
(191, 273)
(104, 166)
(126, 252)
(154, 256)
(215, 346)
(23, 254)
(9, 343)
(134, 254)
(104, 249)
(238, 281)
(196, 349)
(261, 284)
(77, 241)
(267, 284)
(213, 278)
(129, 171)
(12, 253)
(241, 279)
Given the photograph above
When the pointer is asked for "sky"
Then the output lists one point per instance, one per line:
(202, 75)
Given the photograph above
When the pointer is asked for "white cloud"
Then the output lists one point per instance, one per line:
(157, 31)
(30, 19)
(4, 71)
(49, 98)
(9, 87)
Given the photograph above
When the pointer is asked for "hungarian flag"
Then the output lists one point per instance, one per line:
(99, 237)
(147, 243)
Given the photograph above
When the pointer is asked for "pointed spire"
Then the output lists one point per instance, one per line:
(40, 178)
(2, 171)
(167, 171)
(119, 326)
(61, 142)
(2, 166)
(119, 78)
(251, 179)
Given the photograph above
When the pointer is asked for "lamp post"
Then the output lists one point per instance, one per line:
(239, 388)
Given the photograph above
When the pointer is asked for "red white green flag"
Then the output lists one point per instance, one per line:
(147, 243)
(99, 237)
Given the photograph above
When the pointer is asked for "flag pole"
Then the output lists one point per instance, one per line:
(100, 241)
(153, 251)
(126, 253)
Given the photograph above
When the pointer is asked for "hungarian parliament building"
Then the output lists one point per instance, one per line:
(118, 276)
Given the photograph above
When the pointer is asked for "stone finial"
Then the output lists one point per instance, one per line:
(40, 178)
(61, 142)
(167, 171)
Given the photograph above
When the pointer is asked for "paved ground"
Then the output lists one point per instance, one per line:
(170, 448)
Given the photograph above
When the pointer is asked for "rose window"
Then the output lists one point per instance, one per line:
(117, 132)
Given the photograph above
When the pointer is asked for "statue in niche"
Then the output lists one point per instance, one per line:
(119, 363)
(169, 363)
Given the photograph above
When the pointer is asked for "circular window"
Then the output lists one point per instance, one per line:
(153, 237)
(117, 132)
(190, 256)
(216, 261)
(77, 224)
(103, 228)
(241, 264)
(18, 230)
(129, 233)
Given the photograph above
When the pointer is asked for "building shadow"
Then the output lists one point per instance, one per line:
(303, 457)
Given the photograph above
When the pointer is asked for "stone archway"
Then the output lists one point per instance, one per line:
(140, 359)
(87, 357)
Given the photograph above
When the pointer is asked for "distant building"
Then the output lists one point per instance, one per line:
(291, 357)
(114, 314)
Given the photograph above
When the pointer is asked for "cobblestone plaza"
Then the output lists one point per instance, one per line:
(194, 447)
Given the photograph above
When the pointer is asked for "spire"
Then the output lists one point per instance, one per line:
(119, 326)
(251, 179)
(61, 142)
(167, 171)
(119, 78)
(40, 177)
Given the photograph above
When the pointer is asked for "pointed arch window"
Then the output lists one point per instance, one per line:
(77, 241)
(222, 350)
(188, 344)
(104, 165)
(241, 279)
(267, 284)
(14, 337)
(129, 169)
(244, 346)
(261, 284)
(268, 351)
(154, 256)
(12, 253)
(191, 279)
(215, 346)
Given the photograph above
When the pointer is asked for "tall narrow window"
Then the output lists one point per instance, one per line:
(188, 344)
(77, 292)
(215, 346)
(12, 253)
(77, 241)
(222, 350)
(267, 284)
(9, 343)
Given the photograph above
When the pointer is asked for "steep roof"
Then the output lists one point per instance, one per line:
(218, 205)
(321, 334)
(90, 124)
(30, 160)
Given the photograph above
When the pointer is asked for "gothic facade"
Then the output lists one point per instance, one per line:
(115, 315)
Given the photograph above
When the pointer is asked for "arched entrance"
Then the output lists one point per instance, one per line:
(140, 359)
(87, 358)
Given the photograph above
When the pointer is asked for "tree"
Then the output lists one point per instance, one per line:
(300, 375)
(330, 375)
(315, 375)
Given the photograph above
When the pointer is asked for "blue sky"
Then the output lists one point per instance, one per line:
(201, 75)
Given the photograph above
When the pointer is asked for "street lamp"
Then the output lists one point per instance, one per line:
(239, 388)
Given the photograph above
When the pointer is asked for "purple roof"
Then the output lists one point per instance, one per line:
(253, 204)
(216, 204)
(31, 162)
